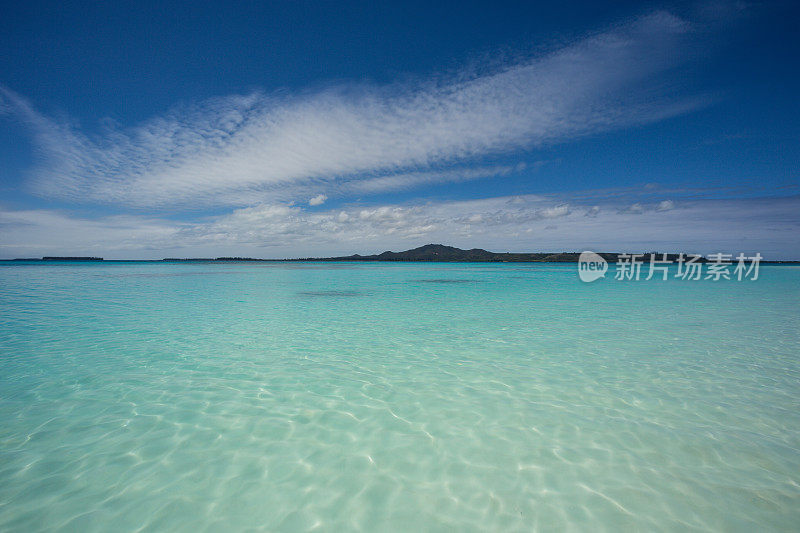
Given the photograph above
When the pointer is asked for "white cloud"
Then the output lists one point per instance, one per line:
(230, 150)
(38, 232)
(317, 200)
(526, 223)
(412, 179)
(633, 209)
(556, 211)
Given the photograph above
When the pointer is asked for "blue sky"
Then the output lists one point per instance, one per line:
(145, 130)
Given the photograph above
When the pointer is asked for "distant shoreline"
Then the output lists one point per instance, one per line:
(430, 253)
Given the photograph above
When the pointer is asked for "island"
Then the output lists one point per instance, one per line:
(450, 254)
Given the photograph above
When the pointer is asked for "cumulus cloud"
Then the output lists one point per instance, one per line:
(522, 223)
(556, 211)
(637, 208)
(363, 138)
(317, 200)
(634, 209)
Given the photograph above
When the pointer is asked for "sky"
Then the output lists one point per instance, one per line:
(294, 129)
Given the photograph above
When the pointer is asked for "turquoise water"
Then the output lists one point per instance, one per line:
(378, 397)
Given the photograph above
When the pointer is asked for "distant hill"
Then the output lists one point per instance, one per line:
(442, 253)
(451, 254)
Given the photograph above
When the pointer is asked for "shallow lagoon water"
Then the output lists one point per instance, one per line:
(375, 396)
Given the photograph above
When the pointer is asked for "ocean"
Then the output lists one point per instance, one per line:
(395, 397)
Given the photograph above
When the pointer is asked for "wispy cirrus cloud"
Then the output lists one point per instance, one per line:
(400, 181)
(364, 138)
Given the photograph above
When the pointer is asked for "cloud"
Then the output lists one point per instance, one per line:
(317, 200)
(556, 211)
(38, 232)
(637, 208)
(409, 180)
(633, 209)
(363, 138)
(521, 223)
